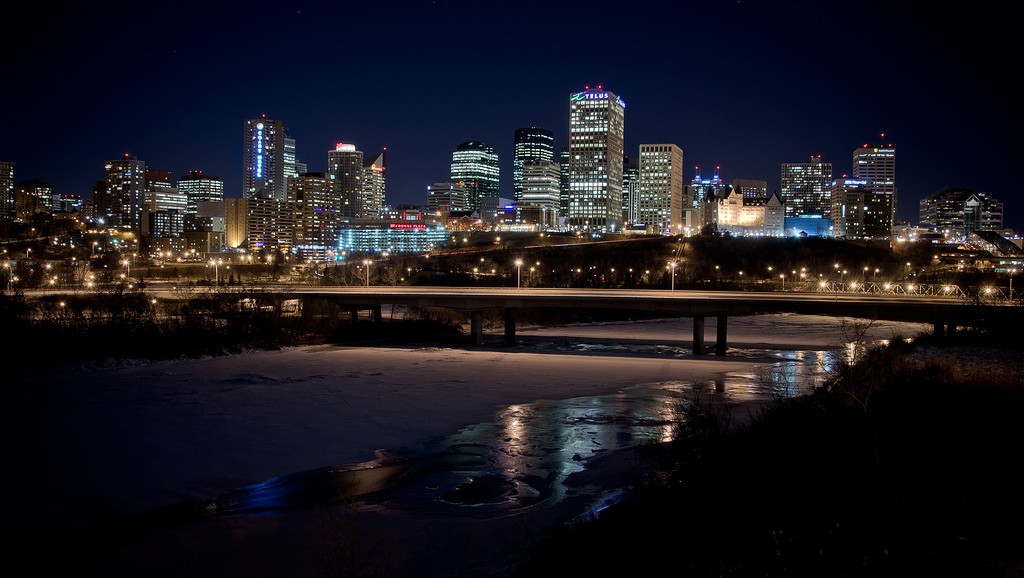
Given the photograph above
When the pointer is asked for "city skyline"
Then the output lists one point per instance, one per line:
(742, 86)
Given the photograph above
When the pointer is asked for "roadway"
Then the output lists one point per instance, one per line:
(945, 313)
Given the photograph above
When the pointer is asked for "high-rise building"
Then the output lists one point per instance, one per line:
(563, 183)
(345, 168)
(531, 144)
(259, 225)
(164, 207)
(705, 189)
(6, 190)
(268, 159)
(540, 186)
(807, 188)
(877, 163)
(751, 188)
(660, 196)
(446, 197)
(859, 211)
(630, 190)
(314, 202)
(372, 200)
(125, 190)
(958, 212)
(200, 188)
(475, 165)
(596, 149)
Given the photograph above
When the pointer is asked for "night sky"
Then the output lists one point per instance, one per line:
(743, 85)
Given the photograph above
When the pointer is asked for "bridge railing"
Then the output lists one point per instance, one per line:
(973, 294)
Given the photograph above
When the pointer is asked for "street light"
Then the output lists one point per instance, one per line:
(367, 263)
(783, 277)
(519, 272)
(216, 270)
(672, 268)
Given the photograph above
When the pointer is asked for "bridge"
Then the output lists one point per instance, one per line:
(946, 314)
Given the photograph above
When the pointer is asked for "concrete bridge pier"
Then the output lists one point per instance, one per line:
(476, 327)
(698, 336)
(938, 329)
(510, 325)
(722, 329)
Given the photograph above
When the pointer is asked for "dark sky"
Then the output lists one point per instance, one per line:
(743, 85)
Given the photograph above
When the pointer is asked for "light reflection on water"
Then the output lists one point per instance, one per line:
(523, 459)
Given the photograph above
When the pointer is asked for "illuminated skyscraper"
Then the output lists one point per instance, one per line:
(125, 189)
(563, 183)
(596, 141)
(200, 188)
(345, 167)
(268, 159)
(660, 197)
(750, 188)
(958, 212)
(630, 189)
(7, 190)
(316, 224)
(540, 185)
(706, 189)
(475, 165)
(371, 201)
(878, 165)
(531, 144)
(807, 188)
(860, 211)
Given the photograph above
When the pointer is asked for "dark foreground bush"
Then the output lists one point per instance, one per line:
(923, 480)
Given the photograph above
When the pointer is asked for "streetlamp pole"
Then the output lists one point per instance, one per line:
(367, 263)
(519, 273)
(783, 277)
(672, 269)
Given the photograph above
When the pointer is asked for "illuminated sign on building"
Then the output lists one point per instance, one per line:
(408, 226)
(588, 95)
(259, 150)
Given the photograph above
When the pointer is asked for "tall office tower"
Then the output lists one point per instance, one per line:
(660, 197)
(317, 222)
(445, 197)
(596, 141)
(292, 166)
(259, 225)
(200, 188)
(630, 189)
(540, 185)
(807, 188)
(750, 188)
(706, 189)
(859, 212)
(563, 183)
(268, 159)
(345, 168)
(163, 210)
(878, 165)
(531, 144)
(372, 199)
(475, 165)
(6, 190)
(126, 186)
(957, 212)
